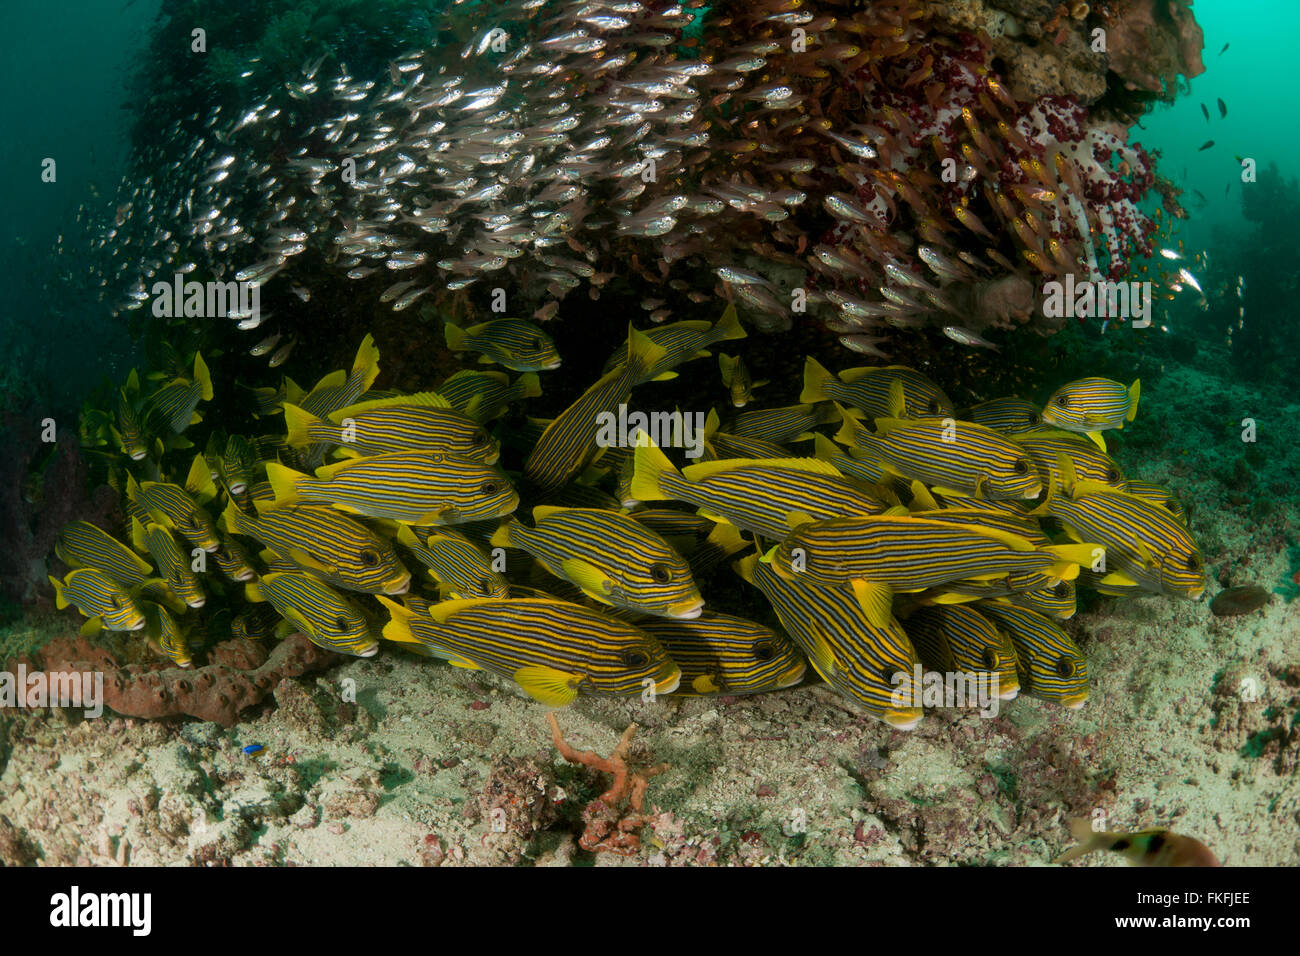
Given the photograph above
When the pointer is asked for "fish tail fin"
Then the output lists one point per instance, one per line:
(1134, 393)
(60, 599)
(848, 433)
(398, 628)
(297, 421)
(501, 536)
(456, 337)
(531, 384)
(1086, 838)
(815, 379)
(203, 377)
(137, 535)
(727, 366)
(230, 518)
(728, 326)
(745, 567)
(253, 592)
(366, 364)
(199, 480)
(650, 467)
(642, 356)
(284, 482)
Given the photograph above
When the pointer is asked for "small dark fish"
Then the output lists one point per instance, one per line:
(1206, 111)
(1208, 144)
(1200, 195)
(1224, 50)
(1223, 108)
(1227, 188)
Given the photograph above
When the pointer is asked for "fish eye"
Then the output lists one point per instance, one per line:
(1112, 475)
(485, 586)
(661, 573)
(1193, 562)
(479, 437)
(1063, 401)
(1061, 589)
(341, 623)
(1035, 419)
(989, 659)
(1021, 467)
(490, 487)
(634, 659)
(765, 651)
(1065, 668)
(369, 558)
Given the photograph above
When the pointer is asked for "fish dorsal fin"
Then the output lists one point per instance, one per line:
(796, 519)
(548, 685)
(711, 423)
(542, 512)
(813, 466)
(335, 379)
(897, 404)
(422, 399)
(443, 611)
(922, 500)
(1134, 393)
(851, 375)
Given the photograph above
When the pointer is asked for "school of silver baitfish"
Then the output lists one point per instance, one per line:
(918, 536)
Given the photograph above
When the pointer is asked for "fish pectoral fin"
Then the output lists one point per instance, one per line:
(591, 579)
(706, 684)
(1118, 579)
(303, 559)
(665, 377)
(92, 626)
(875, 600)
(1097, 439)
(795, 519)
(548, 685)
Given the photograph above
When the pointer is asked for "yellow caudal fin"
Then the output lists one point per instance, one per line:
(456, 337)
(1134, 393)
(711, 424)
(199, 481)
(297, 422)
(398, 628)
(137, 535)
(365, 367)
(848, 433)
(824, 448)
(531, 385)
(897, 400)
(284, 482)
(203, 377)
(815, 379)
(1084, 554)
(60, 600)
(745, 567)
(231, 518)
(728, 326)
(253, 592)
(651, 467)
(501, 537)
(642, 356)
(922, 500)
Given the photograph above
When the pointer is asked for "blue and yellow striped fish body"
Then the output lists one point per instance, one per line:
(1050, 665)
(885, 554)
(754, 495)
(569, 441)
(233, 560)
(309, 604)
(1008, 416)
(326, 543)
(1091, 405)
(553, 649)
(81, 544)
(874, 665)
(1158, 494)
(421, 422)
(782, 426)
(255, 623)
(173, 562)
(419, 488)
(239, 464)
(956, 457)
(873, 392)
(866, 470)
(485, 396)
(704, 543)
(100, 598)
(175, 509)
(513, 343)
(339, 388)
(736, 379)
(719, 446)
(1057, 600)
(129, 433)
(1046, 445)
(174, 405)
(166, 634)
(684, 341)
(957, 638)
(1144, 543)
(722, 654)
(614, 559)
(455, 562)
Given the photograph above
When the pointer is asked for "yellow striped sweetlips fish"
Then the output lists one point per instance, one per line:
(175, 509)
(341, 388)
(554, 650)
(174, 404)
(173, 563)
(1050, 665)
(874, 391)
(1058, 600)
(328, 618)
(874, 665)
(611, 557)
(513, 343)
(721, 654)
(1157, 494)
(569, 442)
(683, 341)
(1144, 543)
(755, 495)
(959, 639)
(782, 425)
(129, 433)
(421, 422)
(100, 598)
(1010, 416)
(1046, 445)
(165, 634)
(887, 553)
(233, 560)
(485, 396)
(719, 445)
(419, 488)
(736, 379)
(81, 544)
(955, 457)
(1092, 405)
(326, 543)
(455, 562)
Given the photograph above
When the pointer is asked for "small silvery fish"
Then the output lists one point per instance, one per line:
(1050, 665)
(721, 654)
(330, 620)
(871, 664)
(1092, 405)
(419, 488)
(100, 598)
(321, 541)
(552, 649)
(614, 559)
(512, 343)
